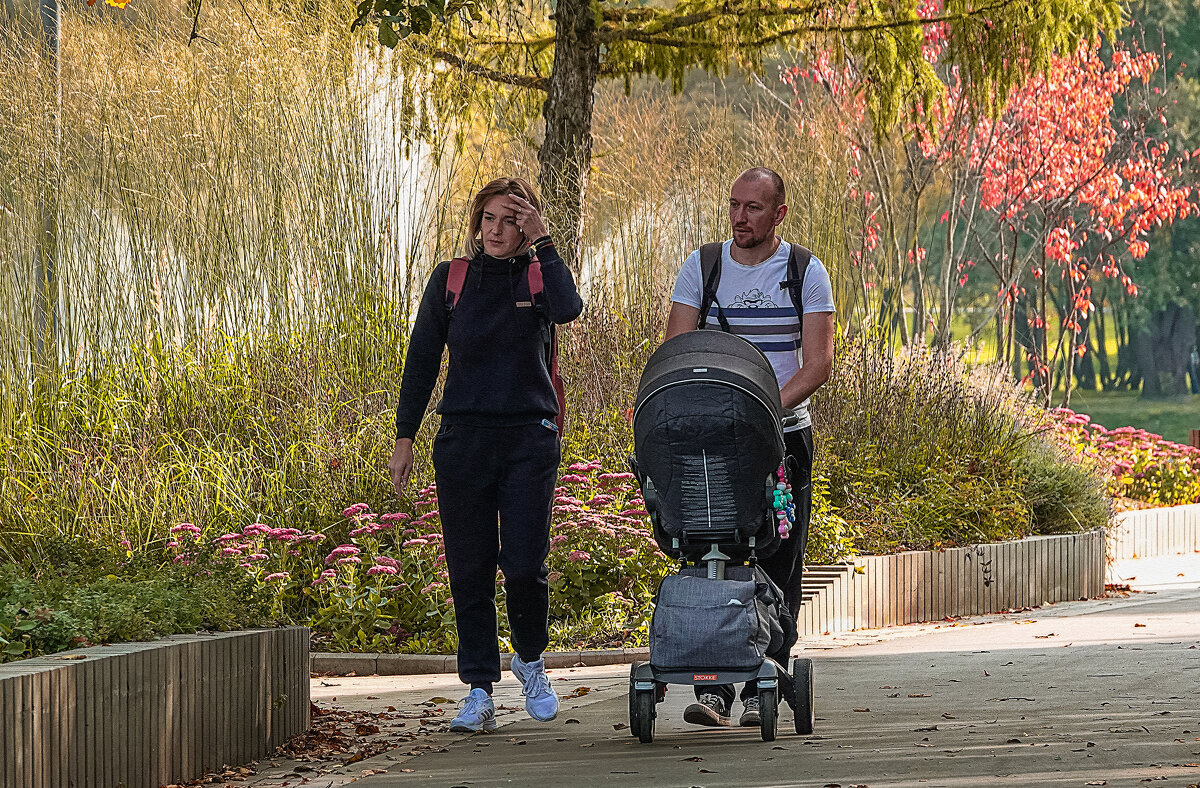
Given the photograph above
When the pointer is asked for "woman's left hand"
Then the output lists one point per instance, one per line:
(528, 218)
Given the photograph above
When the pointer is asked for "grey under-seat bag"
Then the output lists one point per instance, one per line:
(712, 624)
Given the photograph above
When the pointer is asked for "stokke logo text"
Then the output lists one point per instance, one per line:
(704, 677)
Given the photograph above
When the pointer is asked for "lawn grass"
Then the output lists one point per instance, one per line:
(1170, 418)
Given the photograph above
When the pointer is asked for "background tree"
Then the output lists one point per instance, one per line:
(1055, 196)
(562, 49)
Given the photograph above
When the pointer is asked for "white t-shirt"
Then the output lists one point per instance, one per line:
(757, 310)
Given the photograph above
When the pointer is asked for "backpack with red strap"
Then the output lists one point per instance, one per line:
(533, 273)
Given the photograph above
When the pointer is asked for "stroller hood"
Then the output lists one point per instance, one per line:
(707, 436)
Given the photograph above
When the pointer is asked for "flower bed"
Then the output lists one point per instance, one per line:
(1138, 465)
(383, 586)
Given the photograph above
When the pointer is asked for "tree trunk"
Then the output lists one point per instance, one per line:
(1163, 349)
(1101, 337)
(566, 153)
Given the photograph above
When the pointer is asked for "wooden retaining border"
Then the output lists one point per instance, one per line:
(1149, 533)
(149, 714)
(882, 591)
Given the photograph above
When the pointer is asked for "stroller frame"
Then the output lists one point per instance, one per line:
(717, 362)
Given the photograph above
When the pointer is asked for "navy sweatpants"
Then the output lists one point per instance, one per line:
(786, 565)
(495, 492)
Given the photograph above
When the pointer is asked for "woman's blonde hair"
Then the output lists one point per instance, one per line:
(518, 186)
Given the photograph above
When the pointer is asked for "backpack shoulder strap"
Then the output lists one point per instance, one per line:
(710, 275)
(797, 267)
(533, 274)
(455, 281)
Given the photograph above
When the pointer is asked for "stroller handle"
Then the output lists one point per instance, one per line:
(790, 419)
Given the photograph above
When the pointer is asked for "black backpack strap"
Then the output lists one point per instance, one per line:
(797, 267)
(710, 275)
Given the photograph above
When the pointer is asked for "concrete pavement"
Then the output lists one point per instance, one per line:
(1102, 692)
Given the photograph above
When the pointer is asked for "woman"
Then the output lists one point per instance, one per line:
(496, 455)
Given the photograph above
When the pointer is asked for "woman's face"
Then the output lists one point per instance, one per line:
(501, 235)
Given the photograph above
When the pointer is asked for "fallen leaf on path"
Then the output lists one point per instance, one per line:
(861, 709)
(1096, 782)
(578, 692)
(571, 721)
(1047, 635)
(619, 726)
(694, 758)
(439, 699)
(918, 695)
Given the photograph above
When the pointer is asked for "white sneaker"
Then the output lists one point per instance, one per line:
(540, 701)
(478, 713)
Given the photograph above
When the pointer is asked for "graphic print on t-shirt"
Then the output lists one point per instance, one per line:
(753, 299)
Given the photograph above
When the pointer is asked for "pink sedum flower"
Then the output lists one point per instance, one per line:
(382, 570)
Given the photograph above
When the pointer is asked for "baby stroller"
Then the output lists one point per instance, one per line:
(709, 453)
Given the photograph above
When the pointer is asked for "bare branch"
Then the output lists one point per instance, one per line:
(653, 34)
(534, 83)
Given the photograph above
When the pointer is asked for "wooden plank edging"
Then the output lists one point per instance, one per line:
(147, 714)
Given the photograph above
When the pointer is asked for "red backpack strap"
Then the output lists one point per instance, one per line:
(534, 275)
(455, 281)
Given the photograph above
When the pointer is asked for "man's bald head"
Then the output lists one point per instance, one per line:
(768, 177)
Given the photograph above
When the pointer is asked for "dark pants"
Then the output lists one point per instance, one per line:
(495, 492)
(786, 565)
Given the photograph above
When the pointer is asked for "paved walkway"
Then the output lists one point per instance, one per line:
(1103, 692)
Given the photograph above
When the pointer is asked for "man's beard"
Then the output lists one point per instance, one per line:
(754, 241)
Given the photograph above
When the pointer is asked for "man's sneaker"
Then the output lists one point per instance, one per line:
(750, 717)
(477, 713)
(540, 701)
(708, 710)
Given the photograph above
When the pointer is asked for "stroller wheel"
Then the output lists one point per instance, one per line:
(644, 699)
(802, 684)
(768, 710)
(635, 720)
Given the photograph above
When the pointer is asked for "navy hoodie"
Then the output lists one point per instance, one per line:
(498, 374)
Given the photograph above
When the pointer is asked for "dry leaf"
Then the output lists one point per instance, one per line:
(1139, 625)
(861, 709)
(918, 695)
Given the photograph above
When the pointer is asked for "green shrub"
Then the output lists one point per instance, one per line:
(44, 611)
(921, 451)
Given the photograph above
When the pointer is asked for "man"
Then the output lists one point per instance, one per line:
(751, 303)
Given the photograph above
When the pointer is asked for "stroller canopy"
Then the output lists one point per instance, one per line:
(708, 434)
